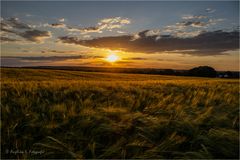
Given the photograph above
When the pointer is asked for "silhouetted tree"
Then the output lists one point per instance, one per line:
(168, 72)
(202, 71)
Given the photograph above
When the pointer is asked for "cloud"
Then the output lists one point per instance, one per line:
(57, 51)
(153, 32)
(193, 24)
(206, 43)
(15, 23)
(29, 15)
(184, 34)
(63, 51)
(135, 58)
(28, 32)
(14, 26)
(197, 23)
(7, 39)
(190, 24)
(35, 35)
(84, 30)
(51, 58)
(111, 23)
(135, 37)
(114, 20)
(190, 17)
(58, 25)
(104, 24)
(86, 36)
(45, 58)
(215, 21)
(12, 59)
(5, 27)
(49, 61)
(37, 61)
(121, 32)
(61, 20)
(210, 10)
(52, 25)
(7, 30)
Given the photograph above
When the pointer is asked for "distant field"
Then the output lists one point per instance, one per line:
(73, 114)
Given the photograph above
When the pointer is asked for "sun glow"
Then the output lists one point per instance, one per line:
(112, 58)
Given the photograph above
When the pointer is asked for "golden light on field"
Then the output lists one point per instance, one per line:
(112, 58)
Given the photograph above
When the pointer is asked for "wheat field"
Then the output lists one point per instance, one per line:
(87, 115)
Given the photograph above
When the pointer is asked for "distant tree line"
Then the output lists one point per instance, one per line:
(201, 71)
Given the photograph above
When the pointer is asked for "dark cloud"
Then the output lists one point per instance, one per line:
(59, 51)
(52, 58)
(35, 35)
(194, 23)
(45, 61)
(123, 62)
(206, 43)
(46, 58)
(14, 26)
(56, 51)
(69, 52)
(4, 25)
(49, 58)
(58, 25)
(26, 51)
(13, 62)
(85, 30)
(6, 39)
(136, 58)
(6, 28)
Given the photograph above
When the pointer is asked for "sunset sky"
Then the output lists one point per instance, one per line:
(177, 35)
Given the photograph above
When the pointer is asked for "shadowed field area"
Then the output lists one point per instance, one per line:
(73, 114)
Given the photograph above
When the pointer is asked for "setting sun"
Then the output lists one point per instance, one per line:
(112, 80)
(112, 58)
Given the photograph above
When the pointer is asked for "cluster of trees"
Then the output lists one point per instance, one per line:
(203, 71)
(206, 71)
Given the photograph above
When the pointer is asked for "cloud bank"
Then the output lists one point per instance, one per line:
(47, 58)
(188, 36)
(206, 43)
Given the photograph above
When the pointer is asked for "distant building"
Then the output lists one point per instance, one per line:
(225, 75)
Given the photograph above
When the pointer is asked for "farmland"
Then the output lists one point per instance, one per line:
(74, 114)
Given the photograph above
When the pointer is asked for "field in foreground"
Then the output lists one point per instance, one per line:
(72, 114)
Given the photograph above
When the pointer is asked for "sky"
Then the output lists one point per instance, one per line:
(157, 34)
